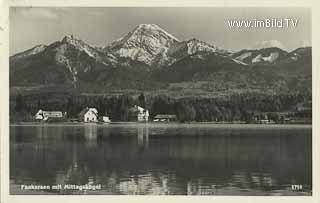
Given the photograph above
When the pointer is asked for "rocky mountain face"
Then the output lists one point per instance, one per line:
(148, 57)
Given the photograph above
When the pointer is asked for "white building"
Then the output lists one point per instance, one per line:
(106, 119)
(47, 115)
(138, 113)
(89, 115)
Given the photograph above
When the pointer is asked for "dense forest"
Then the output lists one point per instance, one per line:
(238, 107)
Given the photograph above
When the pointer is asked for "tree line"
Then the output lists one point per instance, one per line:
(240, 107)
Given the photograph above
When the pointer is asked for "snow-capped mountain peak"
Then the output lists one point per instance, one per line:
(69, 38)
(143, 30)
(144, 43)
(153, 28)
(73, 40)
(152, 45)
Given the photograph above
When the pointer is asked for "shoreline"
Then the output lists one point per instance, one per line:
(230, 124)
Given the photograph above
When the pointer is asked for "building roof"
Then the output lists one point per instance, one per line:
(136, 108)
(56, 114)
(85, 110)
(51, 114)
(164, 116)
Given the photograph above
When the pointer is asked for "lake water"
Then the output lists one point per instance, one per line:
(161, 159)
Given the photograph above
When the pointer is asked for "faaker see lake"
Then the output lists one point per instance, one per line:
(161, 159)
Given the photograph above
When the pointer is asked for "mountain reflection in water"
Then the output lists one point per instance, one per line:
(162, 159)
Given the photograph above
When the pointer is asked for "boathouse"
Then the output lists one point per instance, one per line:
(165, 118)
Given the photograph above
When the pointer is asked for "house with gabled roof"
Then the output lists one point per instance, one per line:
(137, 113)
(88, 115)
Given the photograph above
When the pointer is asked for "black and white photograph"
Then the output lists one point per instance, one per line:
(199, 101)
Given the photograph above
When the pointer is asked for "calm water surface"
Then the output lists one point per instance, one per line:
(162, 159)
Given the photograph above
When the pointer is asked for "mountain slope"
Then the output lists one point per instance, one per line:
(180, 50)
(63, 61)
(34, 50)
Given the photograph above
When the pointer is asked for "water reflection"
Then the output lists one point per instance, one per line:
(152, 159)
(143, 136)
(90, 134)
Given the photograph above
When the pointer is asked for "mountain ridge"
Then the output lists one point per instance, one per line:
(149, 57)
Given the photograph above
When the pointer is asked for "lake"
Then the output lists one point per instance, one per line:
(161, 159)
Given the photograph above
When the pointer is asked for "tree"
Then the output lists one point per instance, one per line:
(20, 105)
(142, 100)
(185, 111)
(124, 108)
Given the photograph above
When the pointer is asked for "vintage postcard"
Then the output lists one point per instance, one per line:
(148, 101)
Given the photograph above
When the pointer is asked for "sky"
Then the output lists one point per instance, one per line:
(30, 26)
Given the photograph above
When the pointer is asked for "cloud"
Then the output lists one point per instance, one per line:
(38, 13)
(269, 43)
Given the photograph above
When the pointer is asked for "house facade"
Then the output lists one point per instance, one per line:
(88, 115)
(49, 115)
(137, 113)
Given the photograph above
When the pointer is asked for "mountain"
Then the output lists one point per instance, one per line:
(302, 52)
(198, 67)
(149, 58)
(297, 63)
(145, 43)
(34, 50)
(180, 50)
(64, 61)
(150, 44)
